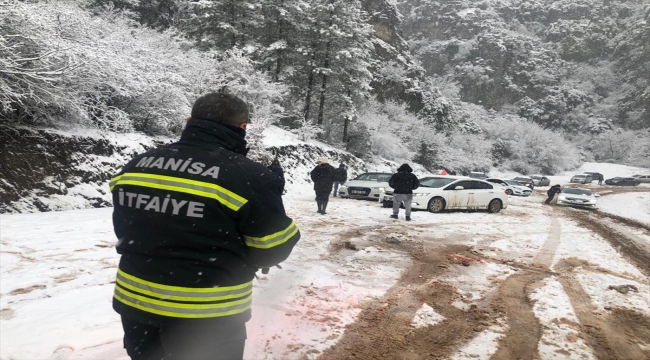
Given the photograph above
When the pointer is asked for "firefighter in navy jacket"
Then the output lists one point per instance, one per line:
(195, 220)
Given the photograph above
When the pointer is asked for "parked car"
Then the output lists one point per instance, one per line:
(581, 179)
(440, 193)
(511, 187)
(526, 181)
(595, 175)
(539, 180)
(366, 186)
(577, 197)
(478, 175)
(620, 181)
(643, 178)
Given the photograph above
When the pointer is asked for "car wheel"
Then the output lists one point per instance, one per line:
(508, 191)
(436, 205)
(495, 206)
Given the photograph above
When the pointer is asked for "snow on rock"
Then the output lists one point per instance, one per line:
(599, 286)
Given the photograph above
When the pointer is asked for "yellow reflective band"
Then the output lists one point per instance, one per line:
(272, 240)
(111, 184)
(182, 293)
(171, 309)
(198, 188)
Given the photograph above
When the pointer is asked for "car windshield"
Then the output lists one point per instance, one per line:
(512, 182)
(576, 191)
(521, 179)
(580, 176)
(374, 177)
(435, 182)
(536, 177)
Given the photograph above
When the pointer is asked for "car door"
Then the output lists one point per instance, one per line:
(483, 194)
(459, 199)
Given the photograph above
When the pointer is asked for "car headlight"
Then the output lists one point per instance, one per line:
(343, 187)
(561, 198)
(381, 189)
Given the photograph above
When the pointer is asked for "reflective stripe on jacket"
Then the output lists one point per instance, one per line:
(194, 222)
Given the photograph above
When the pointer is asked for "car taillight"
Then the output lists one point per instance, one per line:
(506, 192)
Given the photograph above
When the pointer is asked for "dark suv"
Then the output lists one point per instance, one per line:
(595, 176)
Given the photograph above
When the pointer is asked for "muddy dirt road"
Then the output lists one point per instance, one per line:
(616, 330)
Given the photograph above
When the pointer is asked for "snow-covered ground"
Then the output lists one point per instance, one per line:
(58, 271)
(635, 206)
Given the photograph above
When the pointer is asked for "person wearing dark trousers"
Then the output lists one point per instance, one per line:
(323, 178)
(403, 183)
(276, 169)
(194, 221)
(555, 189)
(340, 177)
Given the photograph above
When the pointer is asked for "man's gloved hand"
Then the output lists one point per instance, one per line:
(266, 270)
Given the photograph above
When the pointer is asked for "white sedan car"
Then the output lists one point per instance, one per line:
(577, 197)
(440, 193)
(511, 187)
(366, 186)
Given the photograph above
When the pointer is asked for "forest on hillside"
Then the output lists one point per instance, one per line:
(530, 86)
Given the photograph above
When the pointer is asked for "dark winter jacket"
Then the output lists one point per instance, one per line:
(323, 178)
(555, 189)
(340, 174)
(194, 222)
(404, 182)
(277, 170)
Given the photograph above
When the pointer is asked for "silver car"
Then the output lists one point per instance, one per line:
(366, 186)
(643, 178)
(540, 180)
(511, 187)
(581, 179)
(577, 197)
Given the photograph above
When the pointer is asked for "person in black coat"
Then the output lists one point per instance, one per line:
(555, 189)
(323, 178)
(195, 220)
(340, 177)
(403, 183)
(277, 170)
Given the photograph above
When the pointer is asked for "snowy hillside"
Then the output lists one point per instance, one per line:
(52, 170)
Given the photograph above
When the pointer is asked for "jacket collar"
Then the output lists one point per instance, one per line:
(213, 135)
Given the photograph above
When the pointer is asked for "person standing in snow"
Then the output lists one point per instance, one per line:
(340, 177)
(323, 178)
(276, 169)
(551, 192)
(195, 220)
(403, 183)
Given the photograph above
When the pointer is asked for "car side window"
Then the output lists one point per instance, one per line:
(465, 184)
(481, 185)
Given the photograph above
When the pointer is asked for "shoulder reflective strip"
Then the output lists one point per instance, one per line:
(111, 184)
(272, 240)
(199, 188)
(185, 295)
(181, 310)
